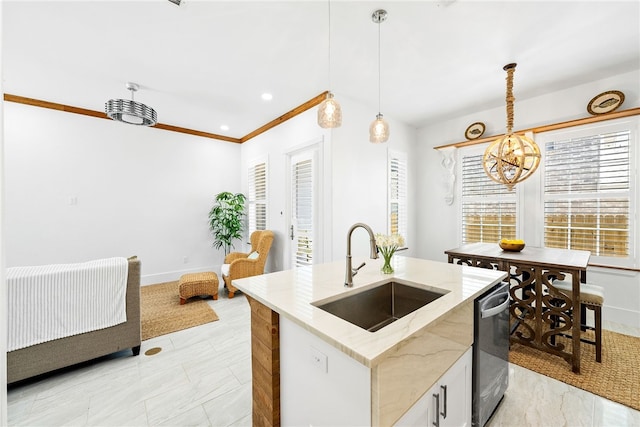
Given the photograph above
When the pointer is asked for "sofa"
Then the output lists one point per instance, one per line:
(63, 352)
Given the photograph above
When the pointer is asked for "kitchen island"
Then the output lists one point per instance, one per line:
(309, 363)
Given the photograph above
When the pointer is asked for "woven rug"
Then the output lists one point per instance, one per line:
(162, 313)
(617, 378)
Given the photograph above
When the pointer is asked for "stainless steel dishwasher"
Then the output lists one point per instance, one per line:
(490, 376)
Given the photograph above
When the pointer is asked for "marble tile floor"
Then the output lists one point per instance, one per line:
(202, 377)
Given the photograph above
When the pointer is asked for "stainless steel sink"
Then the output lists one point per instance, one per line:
(378, 307)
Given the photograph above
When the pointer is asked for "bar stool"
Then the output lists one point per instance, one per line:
(592, 298)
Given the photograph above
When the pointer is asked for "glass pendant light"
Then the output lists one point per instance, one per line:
(329, 111)
(379, 129)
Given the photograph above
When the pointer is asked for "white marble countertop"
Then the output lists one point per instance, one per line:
(291, 293)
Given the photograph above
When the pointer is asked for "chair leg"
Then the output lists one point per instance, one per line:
(597, 310)
(231, 294)
(182, 300)
(583, 316)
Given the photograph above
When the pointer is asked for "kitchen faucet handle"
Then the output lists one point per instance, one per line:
(355, 270)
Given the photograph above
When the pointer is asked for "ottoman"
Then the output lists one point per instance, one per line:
(194, 284)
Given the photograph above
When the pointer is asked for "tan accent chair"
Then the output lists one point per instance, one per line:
(240, 266)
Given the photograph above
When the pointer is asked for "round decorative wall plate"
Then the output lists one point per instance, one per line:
(474, 131)
(606, 102)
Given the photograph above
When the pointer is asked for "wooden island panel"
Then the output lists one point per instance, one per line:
(265, 364)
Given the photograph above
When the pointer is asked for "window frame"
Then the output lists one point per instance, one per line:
(516, 197)
(252, 201)
(531, 195)
(403, 188)
(310, 157)
(616, 125)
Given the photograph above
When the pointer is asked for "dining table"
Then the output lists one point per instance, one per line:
(539, 313)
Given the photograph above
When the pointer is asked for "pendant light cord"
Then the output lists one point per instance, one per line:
(379, 22)
(329, 43)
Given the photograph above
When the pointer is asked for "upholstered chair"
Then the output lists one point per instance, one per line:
(591, 298)
(238, 265)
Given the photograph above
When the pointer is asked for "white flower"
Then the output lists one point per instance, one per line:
(388, 243)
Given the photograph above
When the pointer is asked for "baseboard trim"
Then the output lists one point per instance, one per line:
(621, 315)
(170, 276)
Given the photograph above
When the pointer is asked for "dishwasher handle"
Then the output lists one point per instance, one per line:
(487, 310)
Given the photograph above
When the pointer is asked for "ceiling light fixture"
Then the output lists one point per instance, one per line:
(130, 111)
(267, 96)
(329, 111)
(379, 129)
(512, 158)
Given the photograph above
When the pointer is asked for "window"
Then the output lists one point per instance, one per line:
(583, 196)
(258, 196)
(488, 208)
(398, 193)
(302, 198)
(588, 193)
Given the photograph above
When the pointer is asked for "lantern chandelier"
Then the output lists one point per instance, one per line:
(511, 158)
(130, 111)
(379, 128)
(329, 111)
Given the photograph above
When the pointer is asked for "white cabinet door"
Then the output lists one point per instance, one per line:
(418, 415)
(452, 395)
(447, 403)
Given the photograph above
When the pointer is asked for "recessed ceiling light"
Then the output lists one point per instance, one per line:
(224, 127)
(267, 96)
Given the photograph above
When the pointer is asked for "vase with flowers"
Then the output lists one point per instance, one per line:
(387, 246)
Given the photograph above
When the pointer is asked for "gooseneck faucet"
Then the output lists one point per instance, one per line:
(350, 272)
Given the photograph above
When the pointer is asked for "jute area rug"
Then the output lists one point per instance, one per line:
(162, 313)
(616, 378)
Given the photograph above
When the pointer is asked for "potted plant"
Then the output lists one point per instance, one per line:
(226, 219)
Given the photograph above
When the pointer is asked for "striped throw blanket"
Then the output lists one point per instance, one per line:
(48, 302)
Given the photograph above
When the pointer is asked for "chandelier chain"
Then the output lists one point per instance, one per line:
(510, 98)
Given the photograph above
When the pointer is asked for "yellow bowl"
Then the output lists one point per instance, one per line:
(511, 247)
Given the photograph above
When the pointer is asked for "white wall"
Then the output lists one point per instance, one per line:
(301, 131)
(3, 283)
(360, 177)
(79, 188)
(438, 225)
(355, 176)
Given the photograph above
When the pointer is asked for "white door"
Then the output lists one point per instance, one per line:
(304, 194)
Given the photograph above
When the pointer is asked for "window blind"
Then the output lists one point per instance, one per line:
(398, 194)
(303, 211)
(488, 209)
(587, 194)
(258, 197)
